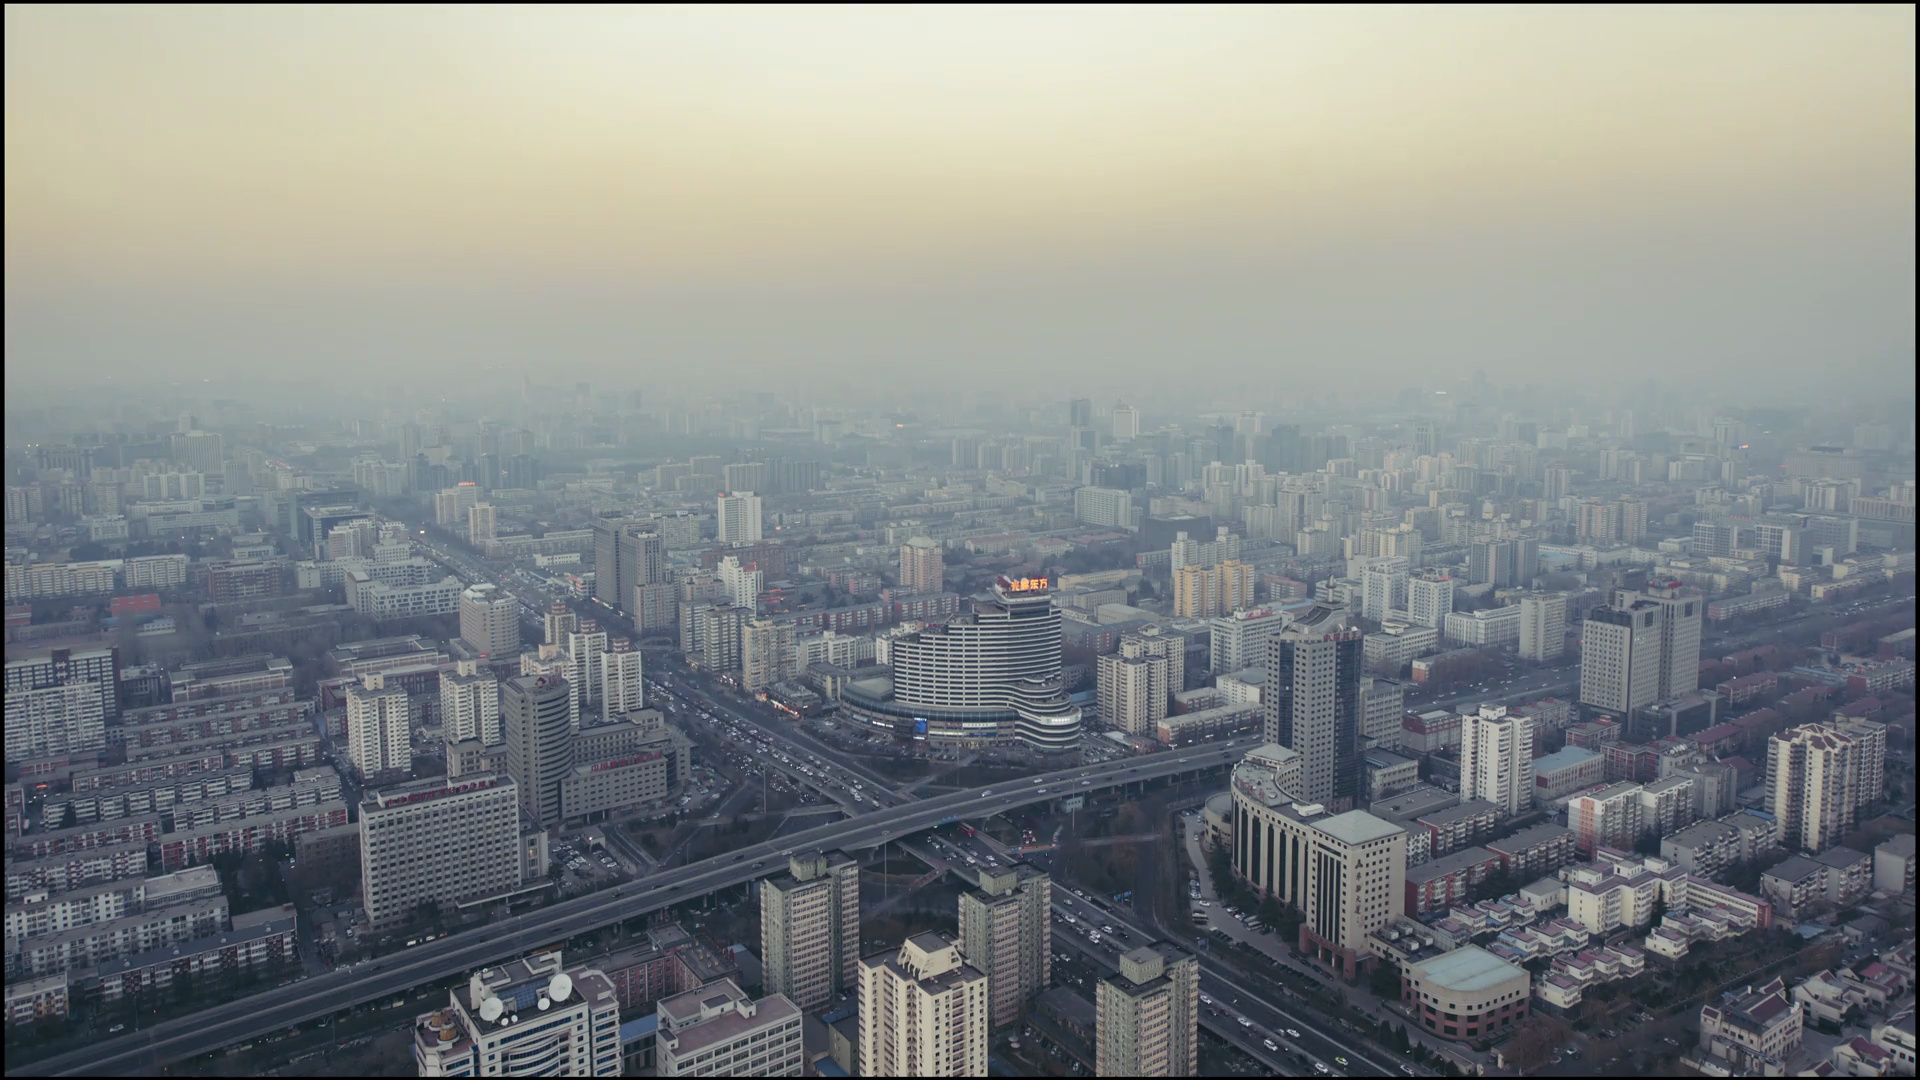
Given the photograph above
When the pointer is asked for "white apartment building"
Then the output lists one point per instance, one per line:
(743, 583)
(379, 600)
(490, 619)
(717, 1030)
(1488, 627)
(738, 520)
(1147, 1016)
(1006, 930)
(481, 524)
(1496, 759)
(155, 571)
(1430, 598)
(1135, 682)
(1239, 640)
(442, 840)
(470, 704)
(1383, 588)
(810, 927)
(55, 720)
(767, 654)
(1813, 785)
(379, 726)
(1111, 507)
(923, 1011)
(622, 686)
(1543, 626)
(527, 1017)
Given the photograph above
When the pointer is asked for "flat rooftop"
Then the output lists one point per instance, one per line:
(1469, 968)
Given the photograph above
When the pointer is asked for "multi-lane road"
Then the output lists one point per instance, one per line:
(310, 999)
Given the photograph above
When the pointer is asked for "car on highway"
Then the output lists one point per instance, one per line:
(1292, 1033)
(1340, 1061)
(1244, 1022)
(1321, 1067)
(1270, 1045)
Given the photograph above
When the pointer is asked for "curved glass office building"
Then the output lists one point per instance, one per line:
(989, 676)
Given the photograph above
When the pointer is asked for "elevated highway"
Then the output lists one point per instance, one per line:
(282, 1007)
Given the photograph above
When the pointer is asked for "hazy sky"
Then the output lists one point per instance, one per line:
(648, 195)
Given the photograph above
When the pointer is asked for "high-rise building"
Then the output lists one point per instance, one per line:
(746, 476)
(379, 727)
(558, 622)
(438, 840)
(1239, 639)
(99, 668)
(767, 654)
(1496, 759)
(1383, 588)
(1205, 592)
(999, 663)
(655, 607)
(527, 1017)
(922, 566)
(626, 554)
(810, 928)
(622, 687)
(1346, 873)
(1382, 707)
(923, 1011)
(1430, 598)
(716, 1029)
(1610, 817)
(1109, 507)
(1681, 611)
(55, 721)
(1147, 1016)
(490, 619)
(1312, 702)
(1126, 423)
(1543, 626)
(481, 524)
(539, 738)
(743, 582)
(738, 518)
(470, 704)
(1135, 683)
(1620, 657)
(586, 661)
(1006, 931)
(1815, 777)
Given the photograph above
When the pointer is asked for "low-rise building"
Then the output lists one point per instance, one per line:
(717, 1030)
(1469, 995)
(1754, 1030)
(1563, 772)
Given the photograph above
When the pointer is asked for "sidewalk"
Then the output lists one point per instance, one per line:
(1358, 997)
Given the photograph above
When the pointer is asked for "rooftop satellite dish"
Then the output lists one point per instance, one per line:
(490, 1009)
(545, 1003)
(560, 987)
